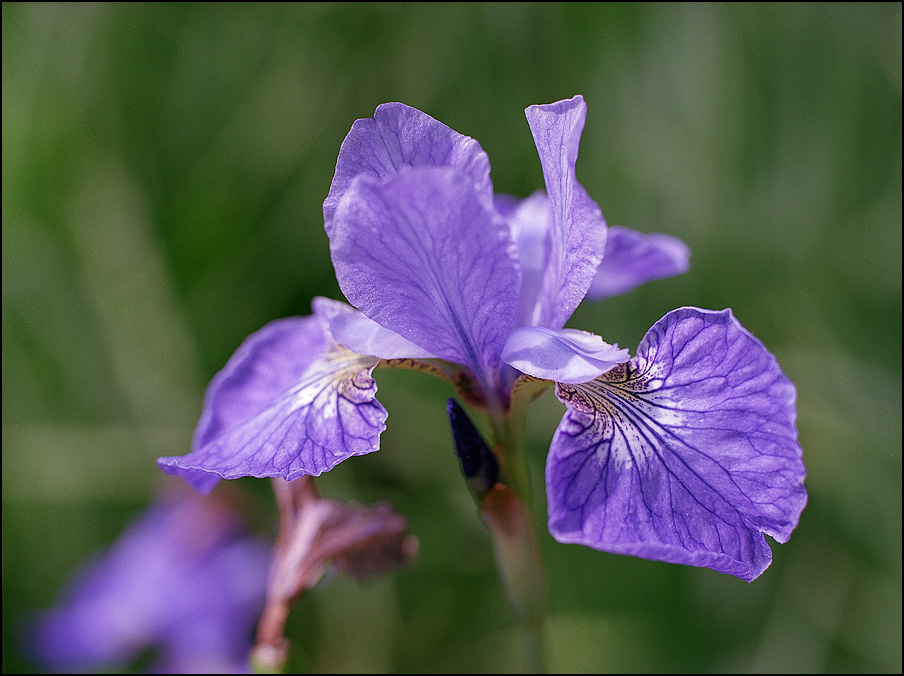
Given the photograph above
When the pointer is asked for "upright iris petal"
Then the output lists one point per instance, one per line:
(399, 137)
(290, 402)
(423, 255)
(530, 224)
(688, 454)
(577, 236)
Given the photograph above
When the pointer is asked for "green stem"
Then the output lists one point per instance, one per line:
(506, 511)
(520, 567)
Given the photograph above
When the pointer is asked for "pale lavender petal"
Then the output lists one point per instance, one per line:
(281, 408)
(633, 258)
(686, 454)
(578, 232)
(564, 356)
(424, 256)
(399, 137)
(529, 222)
(363, 335)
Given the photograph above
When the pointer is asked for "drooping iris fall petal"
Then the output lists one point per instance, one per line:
(687, 454)
(290, 402)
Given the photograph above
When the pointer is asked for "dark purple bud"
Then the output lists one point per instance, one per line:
(478, 463)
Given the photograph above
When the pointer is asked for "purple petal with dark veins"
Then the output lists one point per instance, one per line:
(633, 258)
(399, 137)
(290, 402)
(577, 236)
(267, 363)
(687, 454)
(423, 255)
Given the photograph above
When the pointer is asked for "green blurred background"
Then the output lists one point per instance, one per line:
(164, 167)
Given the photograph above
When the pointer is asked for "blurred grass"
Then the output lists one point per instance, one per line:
(164, 167)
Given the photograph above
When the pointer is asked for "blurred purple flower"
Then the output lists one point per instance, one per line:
(687, 453)
(183, 583)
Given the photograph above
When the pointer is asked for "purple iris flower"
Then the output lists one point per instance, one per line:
(686, 453)
(183, 583)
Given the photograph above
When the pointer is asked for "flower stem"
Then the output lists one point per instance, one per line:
(520, 567)
(506, 510)
(498, 480)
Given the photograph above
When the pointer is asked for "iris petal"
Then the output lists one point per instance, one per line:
(182, 582)
(399, 137)
(290, 402)
(529, 222)
(687, 454)
(423, 255)
(633, 258)
(577, 236)
(360, 334)
(564, 356)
